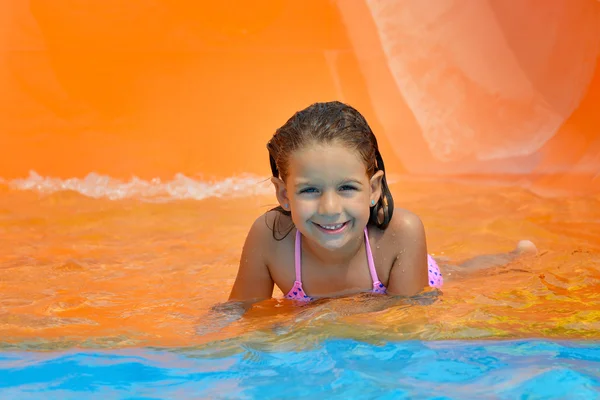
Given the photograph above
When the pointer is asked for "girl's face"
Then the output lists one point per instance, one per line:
(329, 193)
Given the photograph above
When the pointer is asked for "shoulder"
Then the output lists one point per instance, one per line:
(405, 225)
(254, 279)
(269, 228)
(404, 235)
(269, 250)
(407, 246)
(404, 231)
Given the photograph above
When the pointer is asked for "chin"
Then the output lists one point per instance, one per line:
(334, 241)
(334, 244)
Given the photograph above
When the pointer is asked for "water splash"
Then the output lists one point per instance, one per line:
(181, 187)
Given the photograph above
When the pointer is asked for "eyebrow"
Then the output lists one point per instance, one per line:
(343, 181)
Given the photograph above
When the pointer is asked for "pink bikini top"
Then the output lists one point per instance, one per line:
(297, 292)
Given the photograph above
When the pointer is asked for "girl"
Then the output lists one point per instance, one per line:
(336, 231)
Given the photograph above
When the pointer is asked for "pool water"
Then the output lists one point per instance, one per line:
(333, 368)
(110, 294)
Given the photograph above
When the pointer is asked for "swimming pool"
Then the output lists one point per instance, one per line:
(133, 161)
(332, 368)
(111, 298)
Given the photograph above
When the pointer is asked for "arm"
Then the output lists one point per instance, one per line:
(408, 276)
(253, 281)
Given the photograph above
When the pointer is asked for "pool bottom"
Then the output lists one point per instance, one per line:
(335, 368)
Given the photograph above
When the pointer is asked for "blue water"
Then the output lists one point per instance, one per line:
(333, 369)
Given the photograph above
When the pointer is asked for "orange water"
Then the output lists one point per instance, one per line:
(77, 271)
(509, 90)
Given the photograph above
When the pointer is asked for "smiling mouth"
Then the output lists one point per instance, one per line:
(332, 228)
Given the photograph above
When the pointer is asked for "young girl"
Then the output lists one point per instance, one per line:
(336, 231)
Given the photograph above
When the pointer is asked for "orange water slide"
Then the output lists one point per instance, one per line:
(153, 88)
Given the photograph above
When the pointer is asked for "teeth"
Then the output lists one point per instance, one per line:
(332, 227)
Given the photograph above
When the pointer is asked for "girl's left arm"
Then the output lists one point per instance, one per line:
(408, 276)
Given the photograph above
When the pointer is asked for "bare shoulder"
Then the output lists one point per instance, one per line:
(254, 280)
(267, 228)
(405, 228)
(274, 224)
(408, 275)
(261, 226)
(271, 235)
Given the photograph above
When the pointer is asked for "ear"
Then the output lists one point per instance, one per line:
(281, 193)
(375, 184)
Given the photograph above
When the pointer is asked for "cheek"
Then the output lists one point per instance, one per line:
(361, 199)
(301, 207)
(359, 205)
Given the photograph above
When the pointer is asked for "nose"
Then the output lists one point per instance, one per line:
(330, 204)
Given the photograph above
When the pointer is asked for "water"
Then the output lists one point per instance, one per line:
(108, 294)
(334, 368)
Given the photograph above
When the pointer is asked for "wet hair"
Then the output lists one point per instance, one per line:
(330, 123)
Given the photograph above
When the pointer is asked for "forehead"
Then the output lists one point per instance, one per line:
(326, 162)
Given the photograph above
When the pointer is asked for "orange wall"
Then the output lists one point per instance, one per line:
(154, 88)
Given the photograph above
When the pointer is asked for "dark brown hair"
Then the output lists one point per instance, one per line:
(331, 123)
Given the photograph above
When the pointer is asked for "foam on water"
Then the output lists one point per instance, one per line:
(181, 187)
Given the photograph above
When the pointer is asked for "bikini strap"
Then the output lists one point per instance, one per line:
(370, 261)
(298, 257)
